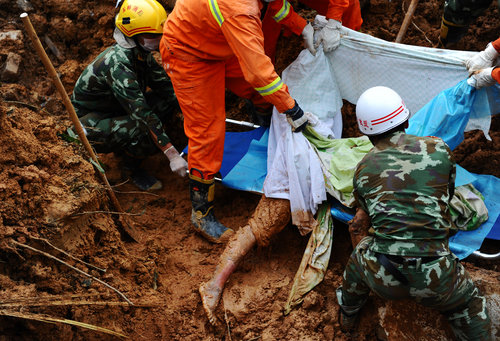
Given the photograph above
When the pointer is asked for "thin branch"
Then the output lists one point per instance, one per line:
(23, 103)
(421, 31)
(72, 267)
(135, 192)
(227, 323)
(418, 28)
(50, 319)
(107, 212)
(70, 302)
(67, 254)
(121, 183)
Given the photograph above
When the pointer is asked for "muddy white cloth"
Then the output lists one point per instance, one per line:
(294, 170)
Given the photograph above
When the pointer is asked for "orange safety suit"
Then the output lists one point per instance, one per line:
(280, 12)
(496, 71)
(208, 46)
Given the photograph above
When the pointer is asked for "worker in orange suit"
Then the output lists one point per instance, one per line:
(338, 12)
(208, 46)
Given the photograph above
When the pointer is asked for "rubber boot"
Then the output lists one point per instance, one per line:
(451, 33)
(141, 178)
(202, 216)
(348, 315)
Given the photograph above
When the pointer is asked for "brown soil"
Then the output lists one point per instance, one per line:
(49, 190)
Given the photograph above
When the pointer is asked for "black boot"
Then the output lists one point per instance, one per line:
(451, 33)
(202, 216)
(141, 178)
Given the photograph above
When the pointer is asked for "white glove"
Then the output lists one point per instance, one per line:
(481, 78)
(308, 35)
(482, 60)
(177, 163)
(329, 36)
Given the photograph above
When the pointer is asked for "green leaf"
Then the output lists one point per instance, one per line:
(97, 165)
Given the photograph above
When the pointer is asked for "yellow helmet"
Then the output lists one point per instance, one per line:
(140, 16)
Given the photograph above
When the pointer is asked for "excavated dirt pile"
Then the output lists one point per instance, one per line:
(55, 213)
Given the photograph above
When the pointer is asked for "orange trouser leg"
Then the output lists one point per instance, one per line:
(236, 83)
(352, 16)
(199, 87)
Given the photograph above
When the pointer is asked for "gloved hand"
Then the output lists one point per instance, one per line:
(308, 35)
(296, 118)
(177, 163)
(481, 78)
(329, 36)
(482, 60)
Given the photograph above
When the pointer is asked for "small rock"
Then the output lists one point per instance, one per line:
(11, 35)
(328, 332)
(24, 5)
(10, 72)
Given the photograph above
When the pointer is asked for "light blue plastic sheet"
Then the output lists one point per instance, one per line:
(447, 114)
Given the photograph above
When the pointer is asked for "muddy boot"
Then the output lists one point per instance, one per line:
(348, 315)
(451, 33)
(202, 216)
(141, 178)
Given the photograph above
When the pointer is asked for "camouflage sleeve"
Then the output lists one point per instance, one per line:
(127, 90)
(358, 199)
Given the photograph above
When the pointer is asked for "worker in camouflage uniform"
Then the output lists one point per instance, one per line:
(457, 16)
(404, 184)
(111, 98)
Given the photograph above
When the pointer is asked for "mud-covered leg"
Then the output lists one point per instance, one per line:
(269, 218)
(237, 247)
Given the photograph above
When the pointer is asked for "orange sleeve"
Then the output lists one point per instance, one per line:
(496, 74)
(284, 14)
(244, 35)
(336, 9)
(496, 45)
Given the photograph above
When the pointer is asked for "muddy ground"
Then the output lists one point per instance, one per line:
(51, 197)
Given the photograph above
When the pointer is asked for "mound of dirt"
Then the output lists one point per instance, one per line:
(53, 202)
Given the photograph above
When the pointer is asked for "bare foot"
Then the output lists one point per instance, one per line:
(210, 295)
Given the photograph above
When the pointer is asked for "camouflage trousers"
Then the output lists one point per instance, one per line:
(442, 284)
(118, 132)
(463, 12)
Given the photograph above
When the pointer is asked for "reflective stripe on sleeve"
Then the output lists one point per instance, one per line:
(214, 8)
(271, 87)
(283, 12)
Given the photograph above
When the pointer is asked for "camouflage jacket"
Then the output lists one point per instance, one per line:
(116, 81)
(405, 184)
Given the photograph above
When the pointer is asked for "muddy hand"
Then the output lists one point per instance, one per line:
(358, 226)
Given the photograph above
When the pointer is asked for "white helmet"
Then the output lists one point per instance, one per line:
(379, 109)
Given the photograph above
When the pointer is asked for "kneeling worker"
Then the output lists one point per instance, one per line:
(405, 184)
(111, 98)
